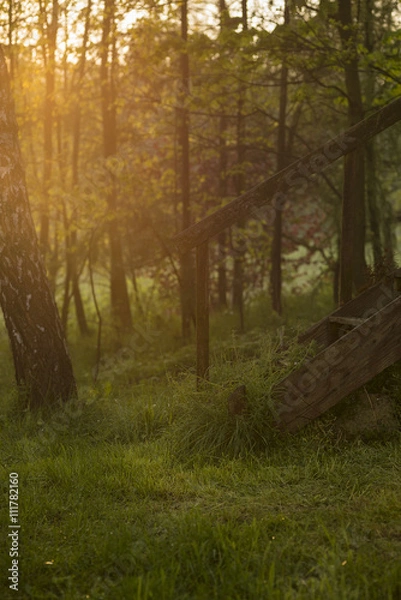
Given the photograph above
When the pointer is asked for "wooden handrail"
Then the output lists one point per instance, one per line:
(276, 188)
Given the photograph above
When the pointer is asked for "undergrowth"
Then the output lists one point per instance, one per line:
(197, 423)
(204, 426)
(145, 488)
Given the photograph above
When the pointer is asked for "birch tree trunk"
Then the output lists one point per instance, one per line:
(42, 364)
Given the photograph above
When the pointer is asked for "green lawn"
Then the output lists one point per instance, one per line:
(147, 489)
(121, 521)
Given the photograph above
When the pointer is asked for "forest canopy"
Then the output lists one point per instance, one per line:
(137, 119)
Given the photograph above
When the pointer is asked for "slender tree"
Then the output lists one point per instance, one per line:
(186, 279)
(240, 250)
(49, 24)
(222, 189)
(120, 304)
(42, 365)
(222, 238)
(352, 260)
(71, 235)
(275, 277)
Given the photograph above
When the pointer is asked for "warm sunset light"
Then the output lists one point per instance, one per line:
(200, 289)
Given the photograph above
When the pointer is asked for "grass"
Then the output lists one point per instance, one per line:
(146, 489)
(102, 520)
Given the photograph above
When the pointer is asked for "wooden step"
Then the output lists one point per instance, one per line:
(339, 369)
(351, 321)
(374, 298)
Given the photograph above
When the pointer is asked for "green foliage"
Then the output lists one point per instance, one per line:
(145, 488)
(234, 73)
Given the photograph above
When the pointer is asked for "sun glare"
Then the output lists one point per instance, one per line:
(203, 16)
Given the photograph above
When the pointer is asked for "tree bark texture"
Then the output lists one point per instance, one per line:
(373, 208)
(42, 364)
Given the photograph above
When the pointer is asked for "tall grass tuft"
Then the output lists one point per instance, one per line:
(204, 426)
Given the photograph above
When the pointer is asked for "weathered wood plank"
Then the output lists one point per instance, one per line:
(340, 369)
(275, 189)
(202, 311)
(363, 306)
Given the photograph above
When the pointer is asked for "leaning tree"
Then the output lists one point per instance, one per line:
(42, 364)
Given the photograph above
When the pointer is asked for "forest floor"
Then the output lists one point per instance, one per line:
(146, 488)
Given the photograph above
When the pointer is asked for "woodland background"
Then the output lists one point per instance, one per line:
(139, 118)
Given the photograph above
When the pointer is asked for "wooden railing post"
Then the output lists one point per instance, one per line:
(202, 311)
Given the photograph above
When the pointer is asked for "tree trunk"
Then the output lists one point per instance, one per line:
(238, 276)
(222, 238)
(240, 250)
(376, 214)
(275, 277)
(11, 23)
(72, 274)
(222, 189)
(222, 271)
(353, 251)
(42, 365)
(120, 305)
(187, 279)
(49, 34)
(79, 305)
(371, 196)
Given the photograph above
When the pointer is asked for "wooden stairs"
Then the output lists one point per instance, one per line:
(356, 342)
